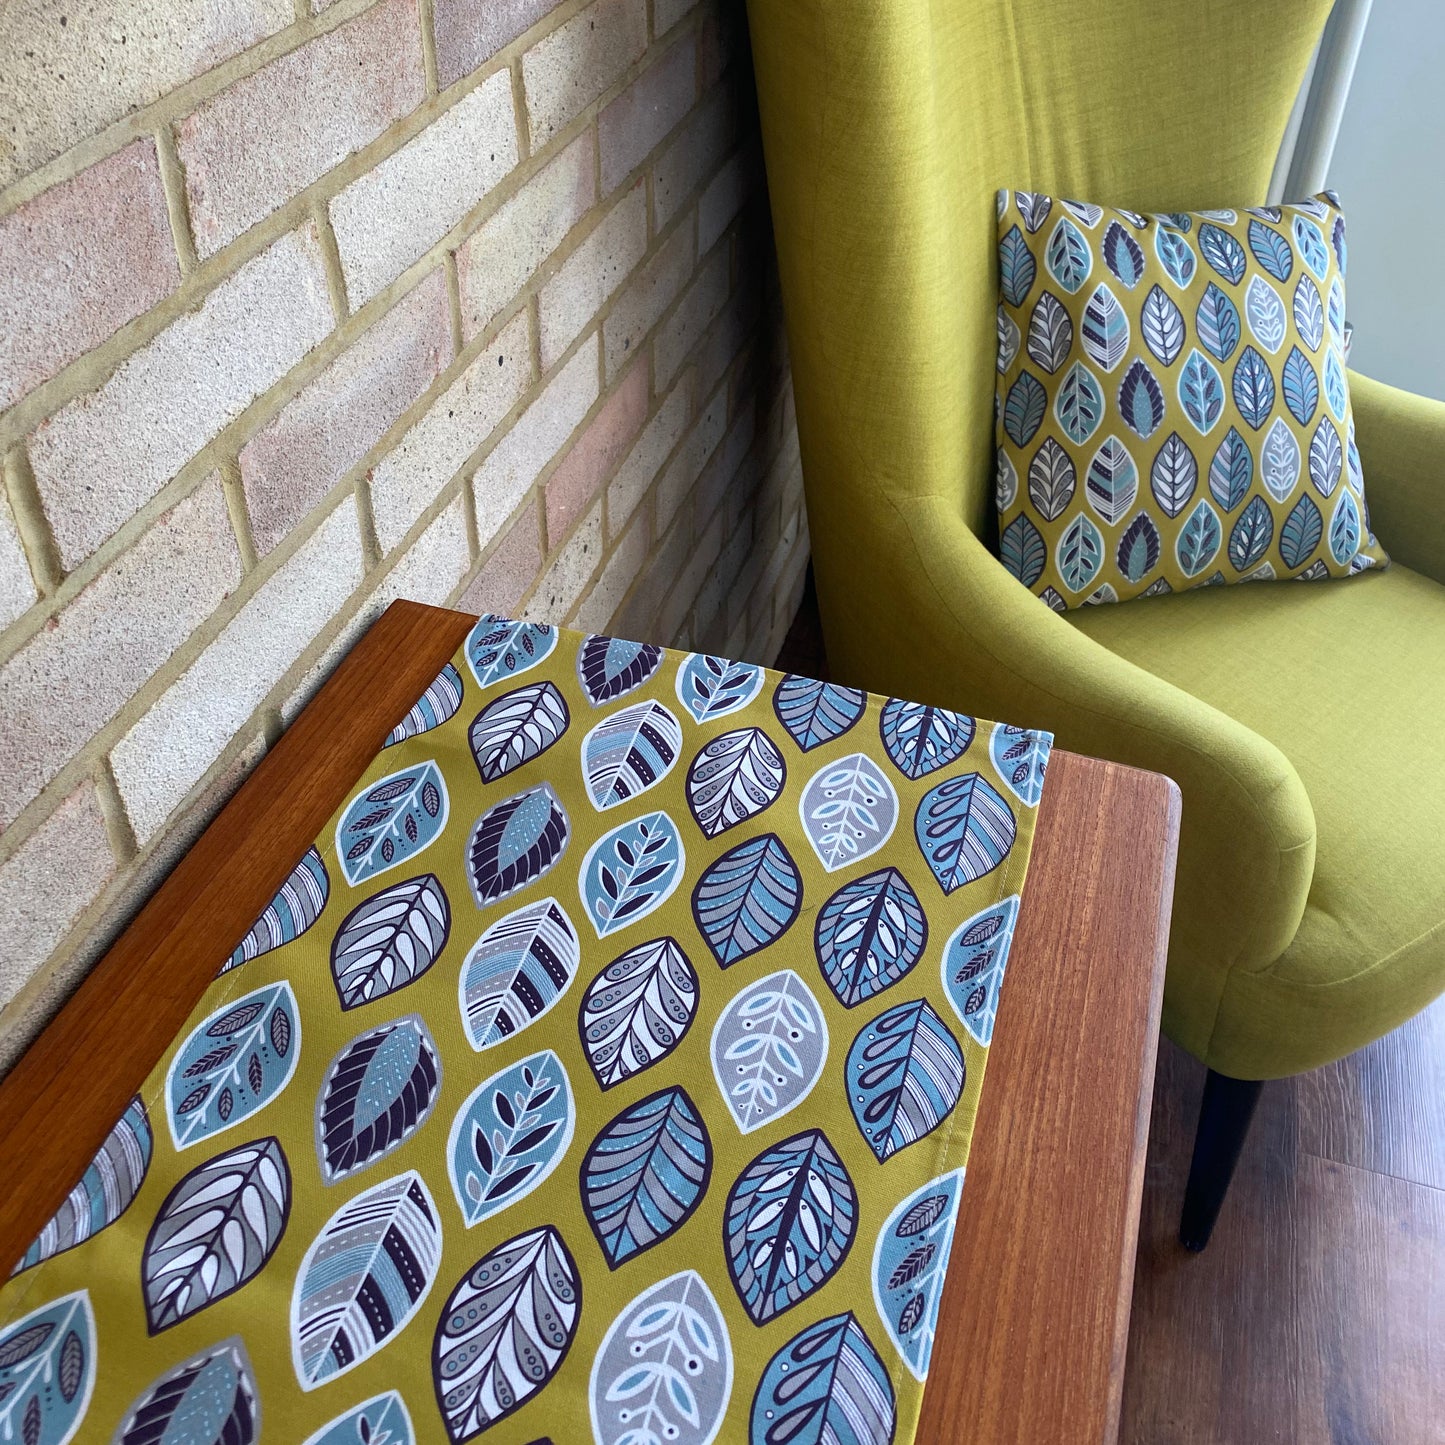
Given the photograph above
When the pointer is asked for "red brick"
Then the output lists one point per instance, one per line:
(509, 571)
(631, 127)
(78, 262)
(266, 138)
(470, 32)
(596, 452)
(318, 437)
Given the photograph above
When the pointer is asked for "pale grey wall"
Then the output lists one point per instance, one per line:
(1387, 167)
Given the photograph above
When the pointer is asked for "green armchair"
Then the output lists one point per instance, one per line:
(1304, 724)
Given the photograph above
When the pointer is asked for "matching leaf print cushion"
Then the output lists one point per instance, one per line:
(1172, 406)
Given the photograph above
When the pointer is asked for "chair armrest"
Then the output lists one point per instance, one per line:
(976, 639)
(1401, 438)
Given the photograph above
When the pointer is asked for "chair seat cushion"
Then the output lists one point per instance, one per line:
(1349, 683)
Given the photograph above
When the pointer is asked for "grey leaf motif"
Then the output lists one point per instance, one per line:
(637, 1009)
(390, 940)
(215, 1231)
(734, 778)
(768, 1049)
(848, 810)
(516, 728)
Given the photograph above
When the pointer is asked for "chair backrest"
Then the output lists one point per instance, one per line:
(888, 127)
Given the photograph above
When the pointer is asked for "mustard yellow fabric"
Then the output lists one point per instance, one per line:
(888, 130)
(605, 1072)
(1173, 409)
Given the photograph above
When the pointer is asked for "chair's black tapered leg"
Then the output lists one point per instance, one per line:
(1224, 1118)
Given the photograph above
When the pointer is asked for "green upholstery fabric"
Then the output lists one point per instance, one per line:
(888, 127)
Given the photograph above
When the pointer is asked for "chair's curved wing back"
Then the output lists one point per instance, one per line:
(888, 127)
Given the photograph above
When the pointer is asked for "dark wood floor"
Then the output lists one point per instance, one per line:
(1317, 1314)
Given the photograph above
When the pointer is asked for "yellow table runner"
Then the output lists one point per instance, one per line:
(606, 1071)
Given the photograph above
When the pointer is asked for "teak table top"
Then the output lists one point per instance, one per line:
(1035, 1317)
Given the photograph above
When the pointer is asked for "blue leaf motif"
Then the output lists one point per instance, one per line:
(1345, 528)
(768, 1049)
(1271, 250)
(1311, 242)
(910, 1259)
(1253, 388)
(1201, 392)
(734, 777)
(1112, 481)
(974, 959)
(233, 1063)
(1138, 551)
(1104, 329)
(826, 1384)
(1223, 253)
(1301, 387)
(378, 1091)
(515, 842)
(664, 1370)
(1016, 267)
(1068, 256)
(1176, 220)
(1251, 535)
(517, 727)
(1264, 310)
(1216, 320)
(1175, 255)
(905, 1073)
(1174, 475)
(215, 1231)
(609, 667)
(1326, 459)
(516, 971)
(848, 810)
(1199, 539)
(1122, 255)
(1162, 324)
(1301, 533)
(710, 687)
(390, 940)
(1051, 333)
(498, 649)
(920, 739)
(869, 934)
(1023, 408)
(215, 1389)
(296, 906)
(381, 1420)
(637, 1010)
(1231, 471)
(1337, 395)
(814, 712)
(1021, 755)
(645, 1174)
(747, 899)
(434, 707)
(1279, 460)
(964, 830)
(105, 1191)
(1079, 406)
(1309, 313)
(1079, 553)
(363, 1278)
(628, 752)
(47, 1371)
(631, 871)
(509, 1135)
(505, 1330)
(1141, 402)
(391, 821)
(788, 1224)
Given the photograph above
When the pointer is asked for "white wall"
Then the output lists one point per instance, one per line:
(1387, 169)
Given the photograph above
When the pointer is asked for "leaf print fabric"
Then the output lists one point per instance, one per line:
(607, 1069)
(1166, 360)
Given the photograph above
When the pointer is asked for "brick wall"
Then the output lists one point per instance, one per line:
(307, 305)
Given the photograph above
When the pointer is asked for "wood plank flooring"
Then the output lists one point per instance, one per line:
(1317, 1314)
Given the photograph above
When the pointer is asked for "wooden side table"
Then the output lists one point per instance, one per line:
(1035, 1317)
